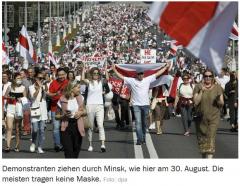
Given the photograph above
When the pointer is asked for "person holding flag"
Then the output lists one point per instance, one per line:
(140, 98)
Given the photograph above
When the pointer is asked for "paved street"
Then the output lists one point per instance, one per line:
(121, 144)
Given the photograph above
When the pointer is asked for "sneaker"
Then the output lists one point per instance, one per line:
(58, 148)
(187, 133)
(7, 149)
(90, 148)
(26, 133)
(152, 126)
(40, 151)
(4, 137)
(103, 148)
(32, 147)
(138, 143)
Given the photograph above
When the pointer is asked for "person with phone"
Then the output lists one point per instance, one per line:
(38, 97)
(72, 126)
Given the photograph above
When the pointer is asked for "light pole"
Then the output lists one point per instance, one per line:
(25, 15)
(64, 21)
(50, 29)
(5, 26)
(58, 36)
(39, 30)
(69, 19)
(74, 17)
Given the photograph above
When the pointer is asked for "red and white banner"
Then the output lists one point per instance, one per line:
(148, 56)
(25, 47)
(234, 32)
(5, 58)
(117, 86)
(130, 70)
(202, 27)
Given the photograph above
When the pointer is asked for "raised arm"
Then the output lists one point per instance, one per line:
(83, 74)
(117, 73)
(162, 70)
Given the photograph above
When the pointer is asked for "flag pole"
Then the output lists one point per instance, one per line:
(5, 27)
(233, 62)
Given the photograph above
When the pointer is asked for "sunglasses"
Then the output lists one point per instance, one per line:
(208, 76)
(95, 73)
(40, 78)
(185, 78)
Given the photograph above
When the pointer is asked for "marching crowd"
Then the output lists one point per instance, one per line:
(76, 98)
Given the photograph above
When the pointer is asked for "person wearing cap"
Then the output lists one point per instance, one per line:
(140, 99)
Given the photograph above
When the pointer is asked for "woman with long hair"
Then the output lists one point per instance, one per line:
(72, 127)
(14, 95)
(94, 99)
(208, 100)
(184, 99)
(38, 97)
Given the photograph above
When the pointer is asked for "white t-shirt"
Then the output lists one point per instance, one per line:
(5, 87)
(95, 96)
(186, 91)
(36, 102)
(140, 89)
(223, 81)
(72, 106)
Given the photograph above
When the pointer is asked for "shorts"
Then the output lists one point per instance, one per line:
(11, 110)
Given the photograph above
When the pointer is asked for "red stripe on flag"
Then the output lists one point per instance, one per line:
(179, 19)
(4, 48)
(234, 31)
(23, 41)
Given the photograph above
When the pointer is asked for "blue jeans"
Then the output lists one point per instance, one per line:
(186, 114)
(56, 130)
(141, 113)
(38, 130)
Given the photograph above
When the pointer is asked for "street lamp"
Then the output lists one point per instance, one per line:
(69, 19)
(39, 31)
(74, 17)
(58, 36)
(64, 21)
(50, 29)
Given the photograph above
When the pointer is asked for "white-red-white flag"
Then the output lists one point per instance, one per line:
(234, 32)
(76, 46)
(174, 46)
(202, 27)
(52, 59)
(25, 47)
(5, 58)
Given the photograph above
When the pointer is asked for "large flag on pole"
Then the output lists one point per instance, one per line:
(234, 32)
(202, 27)
(25, 47)
(5, 58)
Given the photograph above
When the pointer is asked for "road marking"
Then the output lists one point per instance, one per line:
(151, 149)
(137, 148)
